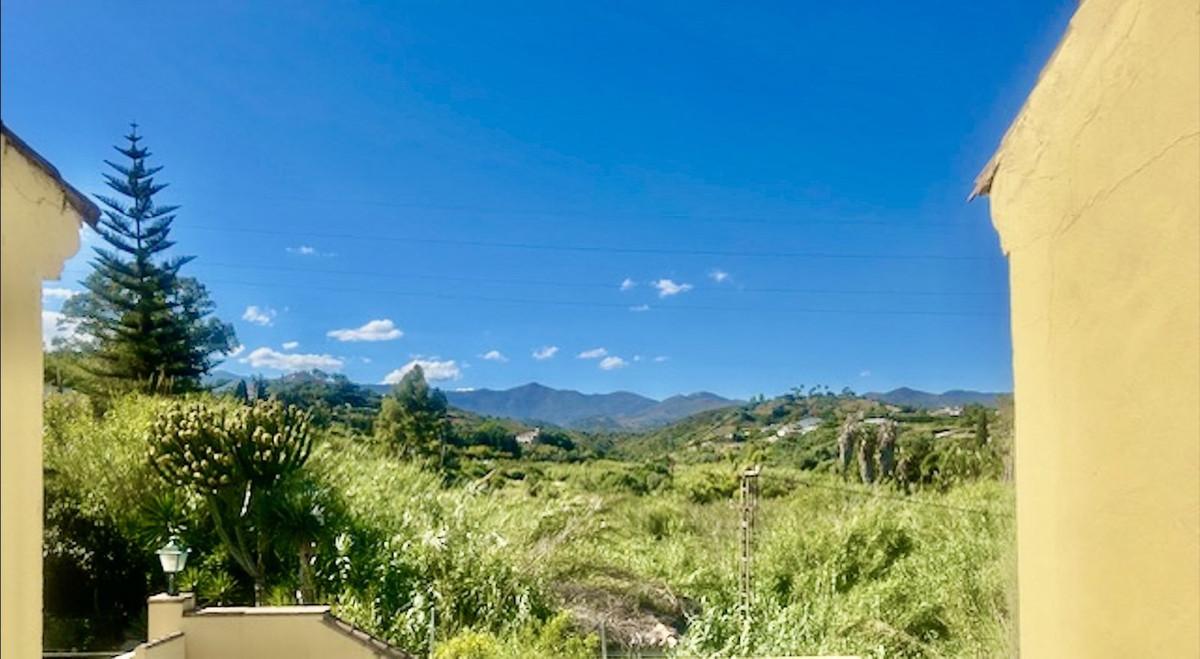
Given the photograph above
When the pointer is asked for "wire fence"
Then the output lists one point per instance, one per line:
(909, 500)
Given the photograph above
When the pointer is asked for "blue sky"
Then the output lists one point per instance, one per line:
(782, 185)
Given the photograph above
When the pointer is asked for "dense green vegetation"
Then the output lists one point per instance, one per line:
(484, 547)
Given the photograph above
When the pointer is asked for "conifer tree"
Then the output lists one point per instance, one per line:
(146, 327)
(240, 393)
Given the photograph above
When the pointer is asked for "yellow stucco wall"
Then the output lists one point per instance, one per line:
(171, 647)
(38, 231)
(286, 634)
(1096, 195)
(177, 629)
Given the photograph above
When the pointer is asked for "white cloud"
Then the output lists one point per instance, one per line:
(661, 358)
(594, 353)
(365, 360)
(375, 330)
(56, 326)
(291, 345)
(640, 308)
(60, 293)
(493, 356)
(667, 288)
(628, 284)
(435, 370)
(637, 358)
(613, 362)
(864, 374)
(545, 352)
(237, 350)
(259, 315)
(718, 276)
(307, 250)
(290, 361)
(87, 235)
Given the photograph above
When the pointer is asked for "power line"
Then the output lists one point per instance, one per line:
(601, 249)
(874, 494)
(602, 305)
(577, 284)
(607, 216)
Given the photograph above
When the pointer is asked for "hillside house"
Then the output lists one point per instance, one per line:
(529, 437)
(801, 427)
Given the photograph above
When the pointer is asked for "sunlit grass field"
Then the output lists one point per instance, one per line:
(838, 569)
(516, 558)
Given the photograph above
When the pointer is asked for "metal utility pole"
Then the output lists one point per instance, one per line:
(749, 503)
(432, 625)
(603, 641)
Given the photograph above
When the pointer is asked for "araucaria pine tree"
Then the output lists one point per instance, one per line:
(147, 328)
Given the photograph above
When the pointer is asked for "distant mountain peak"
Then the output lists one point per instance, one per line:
(536, 386)
(909, 397)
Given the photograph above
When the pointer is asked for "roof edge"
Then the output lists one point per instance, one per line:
(88, 210)
(982, 186)
(983, 181)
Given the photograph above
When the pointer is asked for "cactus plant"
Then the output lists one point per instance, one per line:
(234, 457)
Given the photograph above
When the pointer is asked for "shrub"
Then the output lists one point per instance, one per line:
(469, 644)
(241, 460)
(708, 486)
(100, 526)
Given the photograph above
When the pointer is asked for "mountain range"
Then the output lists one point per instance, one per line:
(534, 403)
(624, 410)
(619, 410)
(906, 397)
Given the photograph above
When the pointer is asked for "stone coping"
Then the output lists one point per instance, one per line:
(309, 610)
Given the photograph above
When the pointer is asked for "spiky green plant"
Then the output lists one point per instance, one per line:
(236, 458)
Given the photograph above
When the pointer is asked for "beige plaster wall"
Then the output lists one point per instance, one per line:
(170, 647)
(292, 632)
(1096, 196)
(38, 231)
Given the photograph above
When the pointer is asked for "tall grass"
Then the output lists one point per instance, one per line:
(530, 558)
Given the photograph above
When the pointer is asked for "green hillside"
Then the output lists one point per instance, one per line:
(508, 543)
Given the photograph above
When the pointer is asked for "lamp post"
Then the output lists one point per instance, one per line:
(173, 559)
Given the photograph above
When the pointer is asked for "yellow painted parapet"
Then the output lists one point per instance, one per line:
(1095, 192)
(178, 630)
(40, 217)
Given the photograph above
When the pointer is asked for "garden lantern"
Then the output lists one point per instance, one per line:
(173, 559)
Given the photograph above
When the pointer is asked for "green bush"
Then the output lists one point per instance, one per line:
(470, 644)
(102, 519)
(707, 486)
